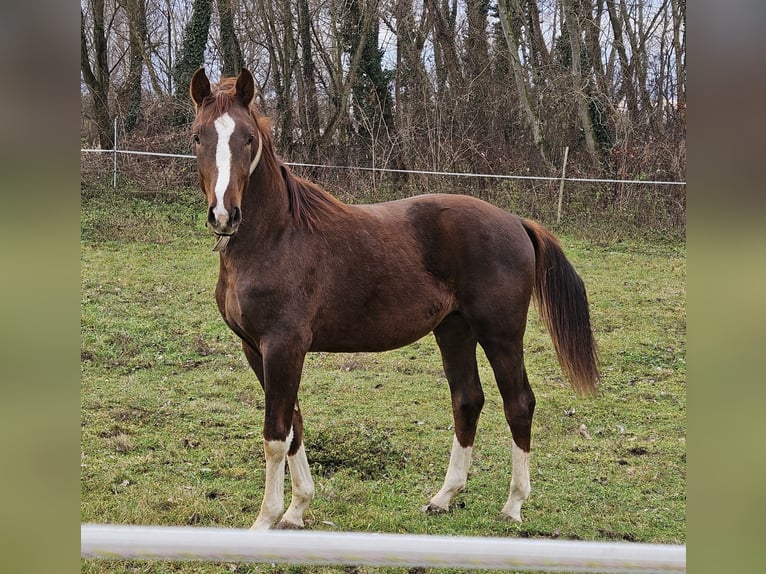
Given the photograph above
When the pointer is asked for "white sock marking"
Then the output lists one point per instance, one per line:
(520, 486)
(457, 475)
(303, 487)
(224, 127)
(274, 491)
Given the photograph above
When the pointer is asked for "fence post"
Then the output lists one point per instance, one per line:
(561, 185)
(114, 147)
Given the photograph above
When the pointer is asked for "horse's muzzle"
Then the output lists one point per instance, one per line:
(224, 222)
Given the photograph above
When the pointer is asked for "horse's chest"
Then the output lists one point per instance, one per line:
(250, 308)
(228, 303)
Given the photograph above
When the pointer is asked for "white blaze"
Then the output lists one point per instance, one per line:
(224, 127)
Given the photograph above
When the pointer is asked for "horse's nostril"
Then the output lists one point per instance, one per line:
(236, 215)
(211, 216)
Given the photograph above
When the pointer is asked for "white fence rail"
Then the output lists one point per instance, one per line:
(412, 171)
(346, 548)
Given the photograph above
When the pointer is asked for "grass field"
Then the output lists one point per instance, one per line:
(171, 413)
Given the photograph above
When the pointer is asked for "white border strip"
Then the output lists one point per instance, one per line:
(414, 171)
(119, 542)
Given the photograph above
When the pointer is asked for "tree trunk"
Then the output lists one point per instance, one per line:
(411, 86)
(97, 77)
(679, 47)
(370, 89)
(307, 91)
(475, 116)
(443, 19)
(192, 53)
(541, 58)
(343, 83)
(130, 94)
(579, 81)
(279, 41)
(522, 86)
(231, 53)
(627, 90)
(602, 110)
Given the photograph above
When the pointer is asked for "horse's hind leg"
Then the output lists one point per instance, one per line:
(507, 361)
(457, 344)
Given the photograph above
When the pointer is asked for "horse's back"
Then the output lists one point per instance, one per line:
(462, 214)
(463, 238)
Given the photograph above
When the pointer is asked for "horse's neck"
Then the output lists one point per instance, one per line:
(265, 206)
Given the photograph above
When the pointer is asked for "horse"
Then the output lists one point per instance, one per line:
(300, 271)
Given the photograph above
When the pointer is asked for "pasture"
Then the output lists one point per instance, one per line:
(171, 414)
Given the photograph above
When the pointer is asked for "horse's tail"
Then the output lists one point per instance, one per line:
(563, 306)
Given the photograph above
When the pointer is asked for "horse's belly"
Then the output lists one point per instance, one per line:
(380, 328)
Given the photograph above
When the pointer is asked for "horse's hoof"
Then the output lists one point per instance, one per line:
(508, 518)
(284, 525)
(432, 508)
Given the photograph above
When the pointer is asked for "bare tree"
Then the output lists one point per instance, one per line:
(96, 77)
(572, 10)
(443, 14)
(476, 85)
(343, 78)
(132, 88)
(679, 48)
(508, 10)
(412, 89)
(308, 102)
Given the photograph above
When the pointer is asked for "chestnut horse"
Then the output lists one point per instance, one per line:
(301, 271)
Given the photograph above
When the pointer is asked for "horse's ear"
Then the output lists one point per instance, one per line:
(245, 87)
(199, 88)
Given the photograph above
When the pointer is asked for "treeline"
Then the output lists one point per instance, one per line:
(491, 86)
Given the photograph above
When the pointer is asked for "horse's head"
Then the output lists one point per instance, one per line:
(228, 145)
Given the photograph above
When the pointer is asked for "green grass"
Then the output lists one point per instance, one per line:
(171, 413)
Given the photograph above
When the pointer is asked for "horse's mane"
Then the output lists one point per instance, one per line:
(309, 204)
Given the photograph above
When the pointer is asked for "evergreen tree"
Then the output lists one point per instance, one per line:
(192, 54)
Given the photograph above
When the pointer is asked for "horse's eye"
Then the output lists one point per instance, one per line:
(249, 139)
(196, 138)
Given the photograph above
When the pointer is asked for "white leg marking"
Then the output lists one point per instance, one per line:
(303, 488)
(520, 487)
(274, 492)
(224, 127)
(454, 481)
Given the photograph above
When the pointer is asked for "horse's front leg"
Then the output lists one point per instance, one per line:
(273, 502)
(283, 436)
